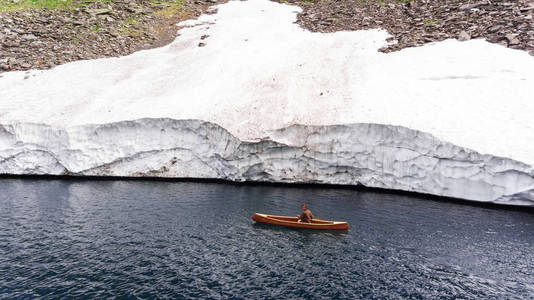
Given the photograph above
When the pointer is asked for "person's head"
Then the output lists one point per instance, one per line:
(304, 206)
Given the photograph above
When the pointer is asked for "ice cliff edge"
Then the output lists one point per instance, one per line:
(372, 155)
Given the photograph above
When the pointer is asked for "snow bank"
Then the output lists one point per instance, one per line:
(259, 72)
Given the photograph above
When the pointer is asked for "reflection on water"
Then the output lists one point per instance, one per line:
(258, 227)
(189, 240)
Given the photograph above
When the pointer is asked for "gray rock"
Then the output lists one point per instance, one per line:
(13, 62)
(495, 28)
(99, 11)
(512, 39)
(472, 6)
(28, 37)
(527, 8)
(132, 7)
(503, 42)
(463, 36)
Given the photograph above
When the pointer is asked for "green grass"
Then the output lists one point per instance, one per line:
(170, 8)
(430, 21)
(29, 5)
(96, 28)
(126, 27)
(167, 2)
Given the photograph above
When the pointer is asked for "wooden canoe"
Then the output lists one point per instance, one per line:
(293, 222)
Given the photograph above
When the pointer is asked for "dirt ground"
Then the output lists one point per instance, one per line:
(44, 38)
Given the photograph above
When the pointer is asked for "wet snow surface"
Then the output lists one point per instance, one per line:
(259, 71)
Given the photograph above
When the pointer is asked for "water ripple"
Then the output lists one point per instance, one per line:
(134, 239)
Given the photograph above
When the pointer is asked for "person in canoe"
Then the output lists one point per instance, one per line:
(306, 215)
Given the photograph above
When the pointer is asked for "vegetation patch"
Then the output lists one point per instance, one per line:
(171, 9)
(29, 5)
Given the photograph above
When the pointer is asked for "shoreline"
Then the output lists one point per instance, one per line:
(311, 185)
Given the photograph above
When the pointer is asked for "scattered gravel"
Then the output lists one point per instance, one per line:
(42, 39)
(414, 23)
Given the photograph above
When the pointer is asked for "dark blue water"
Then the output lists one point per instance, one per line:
(135, 239)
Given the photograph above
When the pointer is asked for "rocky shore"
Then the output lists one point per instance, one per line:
(44, 38)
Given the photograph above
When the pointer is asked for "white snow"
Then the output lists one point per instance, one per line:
(259, 72)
